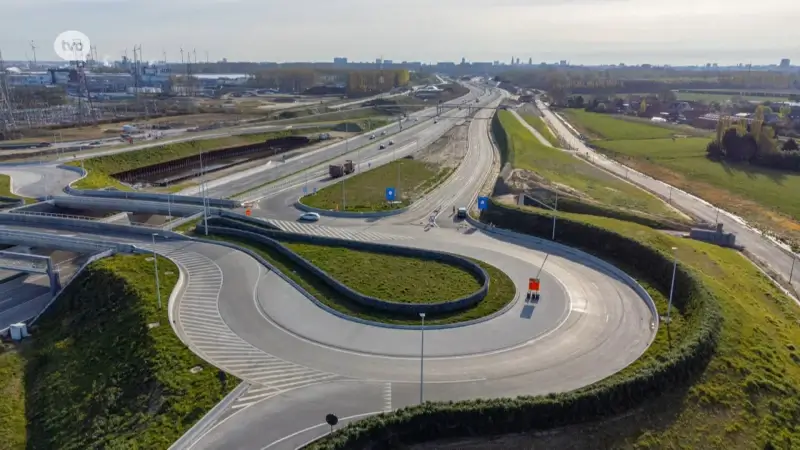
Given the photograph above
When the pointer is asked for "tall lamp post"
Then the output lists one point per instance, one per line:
(672, 284)
(422, 358)
(155, 265)
(203, 190)
(791, 272)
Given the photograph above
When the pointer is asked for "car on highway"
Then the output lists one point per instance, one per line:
(383, 133)
(391, 142)
(461, 213)
(309, 217)
(383, 146)
(371, 137)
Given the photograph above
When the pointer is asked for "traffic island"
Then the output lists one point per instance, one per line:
(104, 369)
(397, 287)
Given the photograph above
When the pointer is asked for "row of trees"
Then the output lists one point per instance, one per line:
(752, 143)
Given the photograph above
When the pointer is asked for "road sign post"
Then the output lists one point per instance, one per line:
(390, 194)
(483, 203)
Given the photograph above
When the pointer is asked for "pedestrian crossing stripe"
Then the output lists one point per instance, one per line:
(334, 232)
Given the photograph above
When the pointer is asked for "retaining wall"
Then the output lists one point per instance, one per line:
(267, 237)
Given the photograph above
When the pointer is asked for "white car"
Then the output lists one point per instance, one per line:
(372, 137)
(383, 133)
(391, 142)
(309, 217)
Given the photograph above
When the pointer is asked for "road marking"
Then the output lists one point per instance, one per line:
(305, 430)
(387, 397)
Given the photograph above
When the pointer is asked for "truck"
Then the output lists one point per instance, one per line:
(338, 170)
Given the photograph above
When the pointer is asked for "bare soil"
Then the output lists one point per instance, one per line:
(448, 150)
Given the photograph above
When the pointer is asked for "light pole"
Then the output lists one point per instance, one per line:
(155, 265)
(717, 219)
(672, 284)
(555, 210)
(344, 200)
(670, 195)
(421, 357)
(791, 272)
(203, 190)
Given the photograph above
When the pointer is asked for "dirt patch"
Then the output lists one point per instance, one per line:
(448, 150)
(520, 180)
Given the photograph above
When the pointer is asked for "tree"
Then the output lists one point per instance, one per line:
(667, 97)
(643, 107)
(790, 146)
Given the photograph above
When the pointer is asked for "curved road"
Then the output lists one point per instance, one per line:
(302, 363)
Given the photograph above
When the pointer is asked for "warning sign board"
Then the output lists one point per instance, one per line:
(247, 212)
(533, 284)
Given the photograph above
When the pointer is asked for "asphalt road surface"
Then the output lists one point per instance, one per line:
(774, 255)
(302, 363)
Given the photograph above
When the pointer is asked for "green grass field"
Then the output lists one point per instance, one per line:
(562, 168)
(501, 287)
(389, 277)
(750, 392)
(96, 375)
(366, 191)
(757, 194)
(608, 127)
(539, 125)
(101, 168)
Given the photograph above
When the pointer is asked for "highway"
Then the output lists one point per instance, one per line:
(774, 255)
(301, 362)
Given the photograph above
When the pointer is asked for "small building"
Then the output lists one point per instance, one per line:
(715, 236)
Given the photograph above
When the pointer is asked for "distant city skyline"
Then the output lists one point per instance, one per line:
(589, 32)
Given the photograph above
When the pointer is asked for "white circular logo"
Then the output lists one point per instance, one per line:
(72, 46)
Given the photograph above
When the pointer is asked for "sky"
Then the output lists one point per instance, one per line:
(587, 32)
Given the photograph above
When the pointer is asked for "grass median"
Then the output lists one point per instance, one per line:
(565, 172)
(539, 125)
(749, 395)
(5, 190)
(420, 281)
(757, 194)
(97, 372)
(366, 191)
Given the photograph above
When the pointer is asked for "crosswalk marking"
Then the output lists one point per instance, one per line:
(210, 337)
(334, 232)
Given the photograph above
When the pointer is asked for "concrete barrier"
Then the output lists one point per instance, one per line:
(267, 237)
(59, 223)
(145, 196)
(578, 256)
(127, 205)
(348, 214)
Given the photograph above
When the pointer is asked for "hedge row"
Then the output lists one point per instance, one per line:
(570, 205)
(619, 393)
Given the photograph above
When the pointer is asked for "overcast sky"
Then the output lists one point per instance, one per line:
(581, 31)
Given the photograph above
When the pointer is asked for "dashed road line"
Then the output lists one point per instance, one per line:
(387, 397)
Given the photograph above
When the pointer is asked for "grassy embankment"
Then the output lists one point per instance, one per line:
(750, 392)
(386, 277)
(539, 125)
(559, 170)
(101, 168)
(366, 191)
(96, 375)
(762, 196)
(5, 190)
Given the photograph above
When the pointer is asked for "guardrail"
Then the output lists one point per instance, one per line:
(128, 205)
(581, 257)
(264, 236)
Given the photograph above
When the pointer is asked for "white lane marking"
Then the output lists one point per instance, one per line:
(387, 397)
(297, 433)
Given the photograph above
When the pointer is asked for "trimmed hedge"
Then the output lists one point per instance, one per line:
(617, 394)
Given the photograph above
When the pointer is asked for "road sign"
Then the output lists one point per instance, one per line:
(247, 212)
(369, 165)
(305, 190)
(315, 190)
(483, 203)
(390, 194)
(533, 284)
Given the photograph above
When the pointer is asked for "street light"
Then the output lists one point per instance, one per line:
(791, 272)
(555, 210)
(672, 285)
(203, 190)
(155, 265)
(421, 357)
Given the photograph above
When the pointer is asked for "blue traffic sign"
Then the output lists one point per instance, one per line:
(483, 203)
(305, 190)
(389, 194)
(315, 189)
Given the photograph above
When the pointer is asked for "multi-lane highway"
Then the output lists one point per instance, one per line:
(776, 256)
(301, 362)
